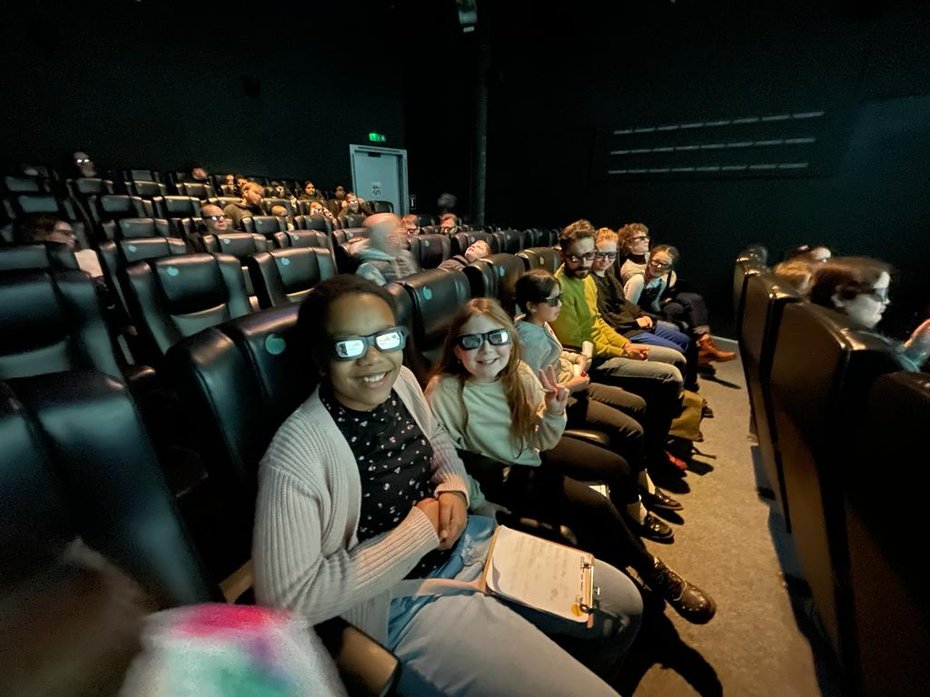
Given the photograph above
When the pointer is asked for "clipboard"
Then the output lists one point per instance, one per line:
(541, 574)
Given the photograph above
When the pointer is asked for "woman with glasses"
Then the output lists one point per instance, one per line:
(592, 405)
(509, 423)
(361, 488)
(857, 287)
(649, 281)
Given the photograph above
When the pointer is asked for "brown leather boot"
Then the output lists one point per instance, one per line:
(708, 351)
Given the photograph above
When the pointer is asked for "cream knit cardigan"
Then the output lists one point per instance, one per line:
(306, 554)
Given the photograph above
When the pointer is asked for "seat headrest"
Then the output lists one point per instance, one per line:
(130, 228)
(150, 248)
(37, 256)
(190, 283)
(31, 314)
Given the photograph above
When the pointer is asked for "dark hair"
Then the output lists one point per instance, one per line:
(534, 287)
(34, 227)
(846, 277)
(579, 230)
(314, 311)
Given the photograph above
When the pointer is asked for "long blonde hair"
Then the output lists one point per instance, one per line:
(522, 410)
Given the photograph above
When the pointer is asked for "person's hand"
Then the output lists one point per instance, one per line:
(556, 395)
(577, 383)
(453, 515)
(636, 352)
(430, 507)
(644, 322)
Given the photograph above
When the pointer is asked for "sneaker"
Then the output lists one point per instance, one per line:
(688, 600)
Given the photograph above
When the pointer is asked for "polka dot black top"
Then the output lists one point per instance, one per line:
(394, 461)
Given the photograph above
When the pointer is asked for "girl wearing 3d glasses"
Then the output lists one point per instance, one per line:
(498, 412)
(361, 488)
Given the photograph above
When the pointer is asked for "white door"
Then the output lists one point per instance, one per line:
(380, 174)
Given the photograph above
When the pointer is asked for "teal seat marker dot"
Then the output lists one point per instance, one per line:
(426, 243)
(275, 344)
(427, 293)
(285, 261)
(173, 271)
(500, 271)
(131, 247)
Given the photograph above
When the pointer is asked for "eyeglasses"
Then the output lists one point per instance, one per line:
(214, 218)
(387, 340)
(640, 238)
(606, 255)
(495, 337)
(660, 264)
(879, 295)
(552, 302)
(82, 160)
(575, 259)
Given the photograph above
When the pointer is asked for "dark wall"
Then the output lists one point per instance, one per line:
(562, 84)
(148, 84)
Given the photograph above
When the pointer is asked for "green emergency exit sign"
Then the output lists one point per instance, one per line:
(377, 137)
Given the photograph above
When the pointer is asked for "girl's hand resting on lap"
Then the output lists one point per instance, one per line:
(453, 515)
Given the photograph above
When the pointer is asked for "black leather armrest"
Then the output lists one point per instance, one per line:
(366, 667)
(139, 377)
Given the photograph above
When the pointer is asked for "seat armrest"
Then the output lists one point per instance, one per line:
(139, 377)
(366, 667)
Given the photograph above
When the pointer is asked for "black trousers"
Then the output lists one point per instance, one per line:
(547, 495)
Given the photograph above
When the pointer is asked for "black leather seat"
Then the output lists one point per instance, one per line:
(48, 255)
(171, 207)
(436, 297)
(175, 297)
(303, 238)
(425, 219)
(822, 371)
(496, 277)
(511, 241)
(313, 222)
(265, 225)
(750, 261)
(764, 303)
(271, 202)
(241, 245)
(343, 235)
(134, 228)
(888, 582)
(68, 438)
(51, 321)
(463, 240)
(116, 256)
(284, 276)
(14, 184)
(547, 258)
(83, 187)
(199, 190)
(349, 220)
(116, 206)
(430, 251)
(146, 189)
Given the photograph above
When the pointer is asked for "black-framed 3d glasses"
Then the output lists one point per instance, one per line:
(495, 337)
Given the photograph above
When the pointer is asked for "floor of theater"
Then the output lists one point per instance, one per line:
(732, 544)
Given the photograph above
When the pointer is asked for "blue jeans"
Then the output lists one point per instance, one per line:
(664, 334)
(473, 644)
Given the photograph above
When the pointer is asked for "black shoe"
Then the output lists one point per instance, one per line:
(653, 528)
(706, 370)
(659, 501)
(688, 600)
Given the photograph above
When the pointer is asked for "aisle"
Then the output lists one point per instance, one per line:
(729, 544)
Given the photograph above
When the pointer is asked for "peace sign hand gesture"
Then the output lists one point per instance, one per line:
(556, 395)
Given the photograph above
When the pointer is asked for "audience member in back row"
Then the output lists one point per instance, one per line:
(479, 249)
(411, 225)
(857, 287)
(382, 256)
(83, 165)
(310, 193)
(35, 228)
(215, 221)
(248, 207)
(816, 254)
(796, 272)
(361, 488)
(335, 203)
(353, 205)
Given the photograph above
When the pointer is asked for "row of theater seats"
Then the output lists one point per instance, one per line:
(836, 423)
(148, 183)
(51, 319)
(77, 464)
